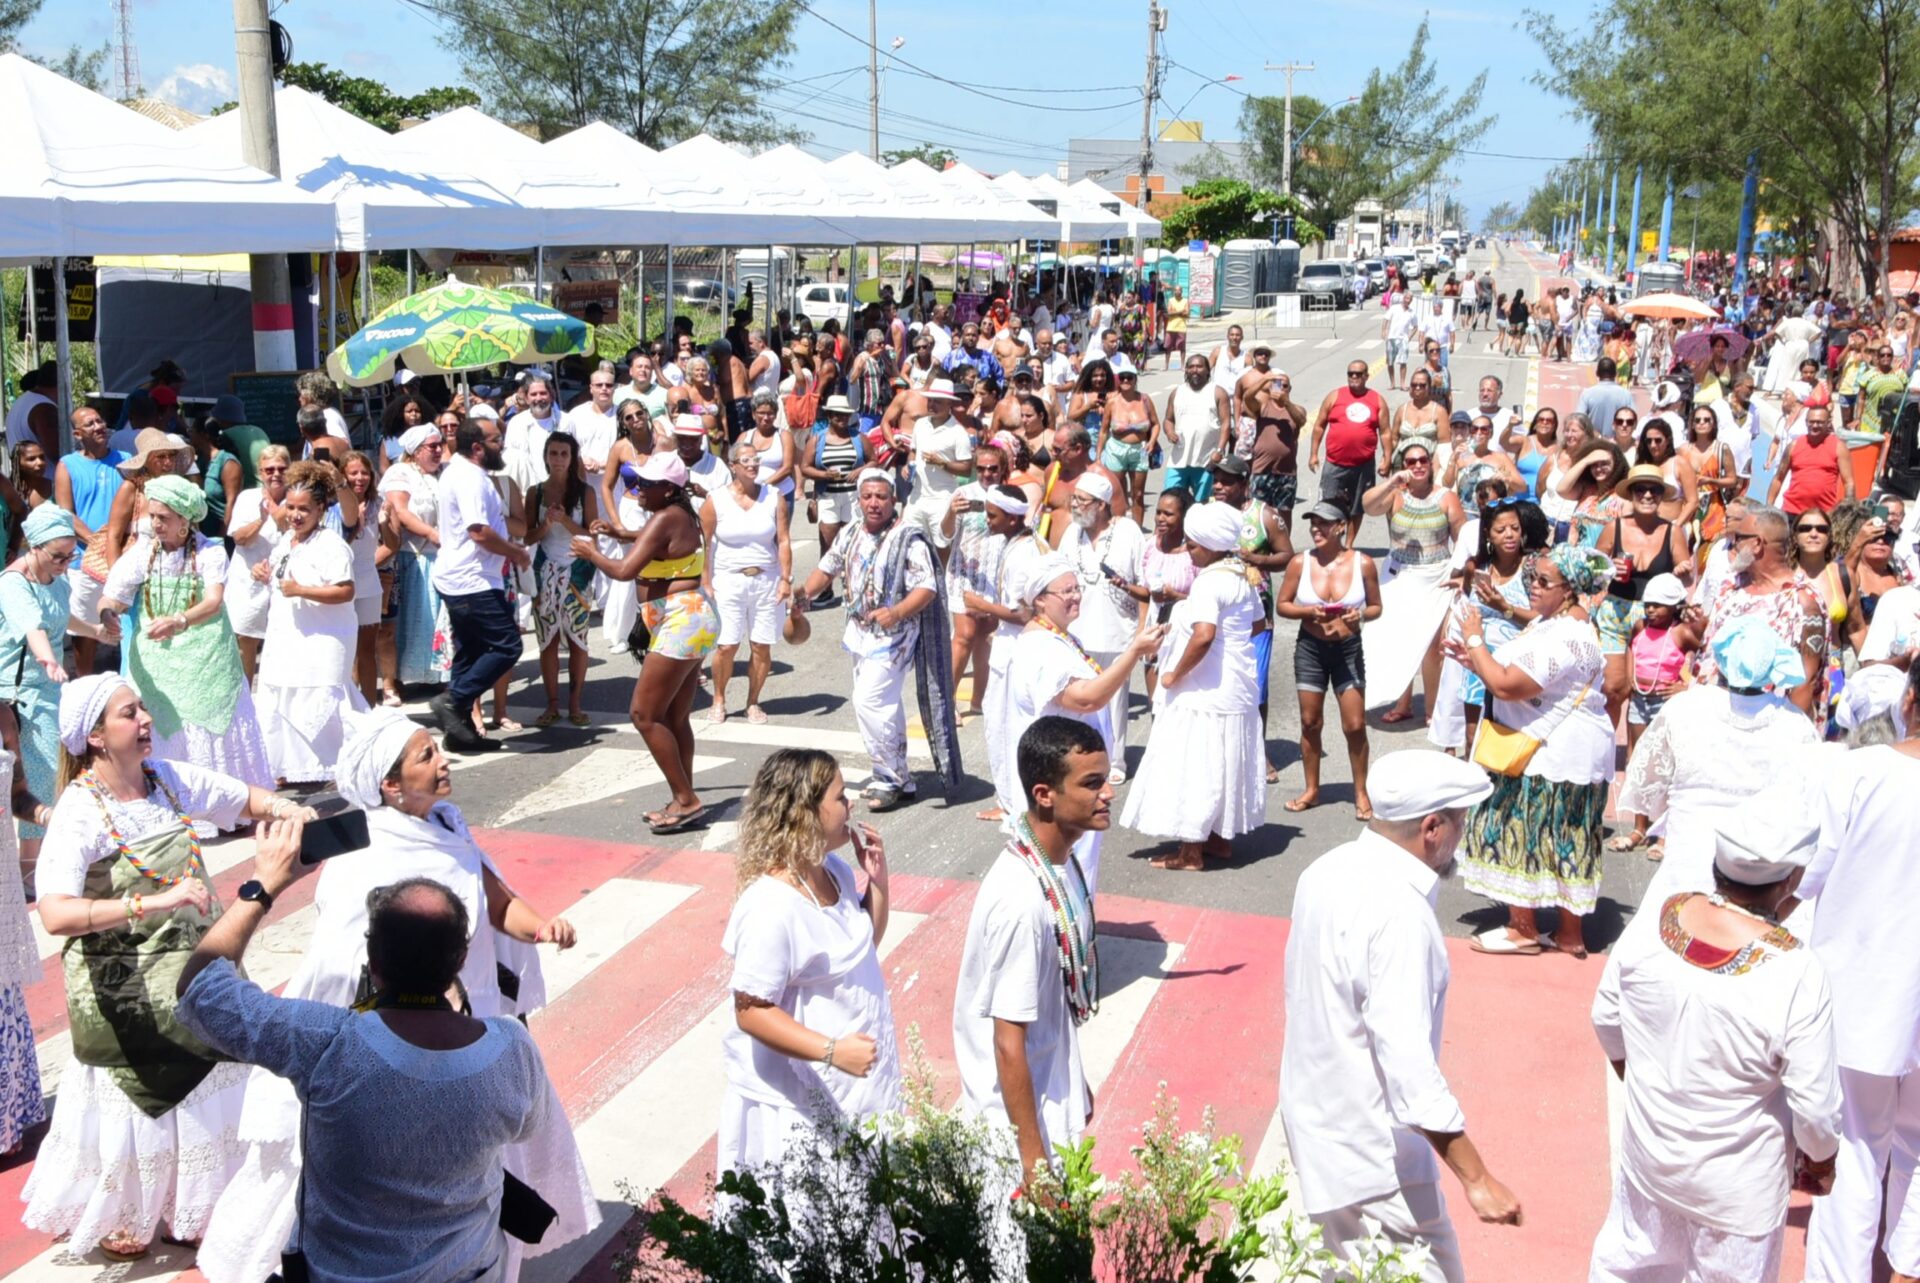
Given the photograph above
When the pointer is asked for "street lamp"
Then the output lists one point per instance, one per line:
(892, 48)
(1692, 192)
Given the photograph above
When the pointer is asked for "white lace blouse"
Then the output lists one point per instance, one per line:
(1570, 712)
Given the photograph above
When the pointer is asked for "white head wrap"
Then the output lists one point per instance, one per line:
(415, 437)
(1869, 692)
(1800, 388)
(374, 742)
(1041, 573)
(1094, 486)
(1665, 393)
(873, 474)
(82, 701)
(1417, 782)
(1764, 843)
(1214, 526)
(1018, 506)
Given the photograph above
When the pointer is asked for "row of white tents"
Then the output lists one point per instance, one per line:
(85, 175)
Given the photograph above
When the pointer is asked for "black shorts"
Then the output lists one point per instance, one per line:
(1319, 663)
(1342, 485)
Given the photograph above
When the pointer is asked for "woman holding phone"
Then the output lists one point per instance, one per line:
(1332, 591)
(813, 1035)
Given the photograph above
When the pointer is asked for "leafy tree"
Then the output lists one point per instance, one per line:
(1502, 217)
(933, 157)
(82, 66)
(661, 70)
(1224, 209)
(1828, 98)
(1400, 134)
(369, 99)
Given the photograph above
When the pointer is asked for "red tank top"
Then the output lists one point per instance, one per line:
(1353, 427)
(1813, 480)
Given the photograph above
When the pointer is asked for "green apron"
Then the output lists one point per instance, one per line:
(120, 982)
(193, 677)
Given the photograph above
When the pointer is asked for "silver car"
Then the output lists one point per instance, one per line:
(1324, 284)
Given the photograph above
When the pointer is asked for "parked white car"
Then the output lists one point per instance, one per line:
(819, 303)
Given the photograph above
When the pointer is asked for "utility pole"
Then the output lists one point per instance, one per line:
(1156, 23)
(1286, 135)
(273, 347)
(873, 79)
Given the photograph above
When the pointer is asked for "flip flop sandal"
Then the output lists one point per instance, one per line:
(716, 715)
(1625, 841)
(122, 1247)
(1498, 941)
(547, 719)
(1299, 804)
(580, 719)
(756, 715)
(670, 823)
(391, 700)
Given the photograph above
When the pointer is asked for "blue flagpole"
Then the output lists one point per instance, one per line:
(1666, 221)
(1633, 229)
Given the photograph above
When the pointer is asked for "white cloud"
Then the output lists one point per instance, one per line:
(199, 87)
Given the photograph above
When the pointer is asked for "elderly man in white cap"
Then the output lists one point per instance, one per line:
(1202, 774)
(942, 462)
(1861, 881)
(896, 625)
(1362, 1098)
(706, 471)
(391, 769)
(1721, 1026)
(1105, 551)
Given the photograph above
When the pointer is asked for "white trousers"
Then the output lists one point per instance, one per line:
(1116, 712)
(879, 691)
(1879, 1140)
(1648, 1242)
(1413, 1212)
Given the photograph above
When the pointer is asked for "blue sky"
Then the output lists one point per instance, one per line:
(186, 55)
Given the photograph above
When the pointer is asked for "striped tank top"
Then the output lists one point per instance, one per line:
(1418, 532)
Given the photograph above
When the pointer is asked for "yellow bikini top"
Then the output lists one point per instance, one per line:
(690, 566)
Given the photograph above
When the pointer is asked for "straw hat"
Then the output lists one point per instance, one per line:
(1642, 473)
(150, 441)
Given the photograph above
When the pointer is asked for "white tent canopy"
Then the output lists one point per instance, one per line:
(383, 197)
(1084, 219)
(84, 175)
(1139, 221)
(1021, 219)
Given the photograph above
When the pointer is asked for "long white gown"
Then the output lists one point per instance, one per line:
(819, 965)
(306, 662)
(256, 1214)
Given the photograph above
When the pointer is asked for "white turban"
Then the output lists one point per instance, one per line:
(1417, 782)
(82, 701)
(874, 474)
(1041, 573)
(1214, 526)
(1015, 504)
(374, 742)
(1094, 486)
(415, 437)
(1869, 692)
(1666, 393)
(1764, 843)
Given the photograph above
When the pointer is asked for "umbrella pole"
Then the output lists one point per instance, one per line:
(666, 334)
(333, 301)
(766, 309)
(5, 362)
(539, 270)
(63, 351)
(640, 297)
(366, 289)
(409, 273)
(919, 305)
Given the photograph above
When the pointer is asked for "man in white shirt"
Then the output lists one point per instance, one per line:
(1721, 1026)
(1364, 1103)
(641, 386)
(525, 442)
(1437, 324)
(1027, 980)
(34, 414)
(593, 423)
(1396, 328)
(473, 551)
(1229, 362)
(1740, 423)
(1110, 352)
(942, 461)
(940, 327)
(1106, 552)
(1057, 370)
(1502, 417)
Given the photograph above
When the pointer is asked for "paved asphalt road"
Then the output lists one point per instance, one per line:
(597, 783)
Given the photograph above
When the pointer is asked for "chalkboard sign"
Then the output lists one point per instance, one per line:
(272, 402)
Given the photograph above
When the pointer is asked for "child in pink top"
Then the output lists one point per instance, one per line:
(1658, 644)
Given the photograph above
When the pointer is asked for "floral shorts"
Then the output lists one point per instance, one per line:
(684, 624)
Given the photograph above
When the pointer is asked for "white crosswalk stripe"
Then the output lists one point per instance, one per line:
(603, 773)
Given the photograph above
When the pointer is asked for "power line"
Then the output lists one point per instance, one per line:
(864, 43)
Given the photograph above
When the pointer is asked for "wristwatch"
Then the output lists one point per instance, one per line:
(1473, 640)
(252, 890)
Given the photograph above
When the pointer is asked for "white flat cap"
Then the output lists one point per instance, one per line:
(1418, 782)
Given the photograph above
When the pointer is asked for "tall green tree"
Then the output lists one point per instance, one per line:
(661, 70)
(1501, 217)
(933, 157)
(1827, 94)
(1403, 131)
(82, 66)
(1224, 209)
(369, 99)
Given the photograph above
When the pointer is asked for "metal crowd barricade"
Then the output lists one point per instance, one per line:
(1282, 313)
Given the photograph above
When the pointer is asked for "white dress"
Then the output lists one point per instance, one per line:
(1701, 758)
(306, 663)
(1043, 665)
(1204, 769)
(256, 1213)
(1015, 556)
(239, 750)
(247, 600)
(820, 966)
(22, 1104)
(105, 1166)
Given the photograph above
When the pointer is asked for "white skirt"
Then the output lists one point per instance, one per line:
(1413, 606)
(239, 751)
(106, 1167)
(303, 728)
(1203, 773)
(1002, 747)
(247, 605)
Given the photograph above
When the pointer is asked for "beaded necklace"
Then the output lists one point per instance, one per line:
(1067, 637)
(1073, 931)
(196, 863)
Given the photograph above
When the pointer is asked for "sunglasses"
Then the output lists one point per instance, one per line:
(1647, 492)
(1627, 419)
(1540, 583)
(1812, 530)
